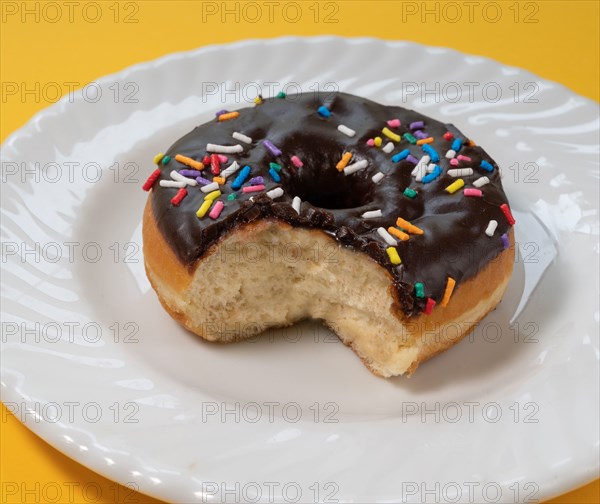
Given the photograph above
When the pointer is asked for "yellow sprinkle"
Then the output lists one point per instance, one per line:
(455, 186)
(219, 180)
(211, 196)
(393, 255)
(192, 163)
(448, 292)
(425, 141)
(377, 141)
(204, 208)
(390, 134)
(411, 228)
(399, 234)
(344, 161)
(158, 157)
(258, 100)
(229, 115)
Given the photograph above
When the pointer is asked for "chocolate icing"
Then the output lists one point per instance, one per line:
(453, 244)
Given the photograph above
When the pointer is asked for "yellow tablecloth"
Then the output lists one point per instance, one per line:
(48, 46)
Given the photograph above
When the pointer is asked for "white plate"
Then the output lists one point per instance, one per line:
(359, 438)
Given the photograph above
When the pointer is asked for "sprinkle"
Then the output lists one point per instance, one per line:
(455, 186)
(394, 123)
(172, 183)
(221, 112)
(471, 143)
(371, 214)
(393, 255)
(242, 176)
(204, 208)
(412, 159)
(388, 147)
(410, 193)
(296, 161)
(391, 135)
(354, 167)
(219, 180)
(486, 166)
(158, 158)
(296, 202)
(344, 161)
(400, 234)
(377, 177)
(197, 165)
(429, 306)
(213, 186)
(420, 135)
(507, 213)
(450, 283)
(206, 160)
(464, 158)
(151, 179)
(258, 100)
(421, 171)
(215, 164)
(257, 180)
(423, 161)
(419, 290)
(389, 239)
(241, 137)
(431, 167)
(481, 181)
(460, 172)
(182, 193)
(448, 136)
(281, 95)
(165, 160)
(275, 193)
(491, 227)
(456, 144)
(377, 141)
(401, 155)
(437, 171)
(505, 241)
(428, 149)
(216, 210)
(180, 178)
(272, 148)
(324, 111)
(203, 181)
(223, 158)
(473, 192)
(229, 115)
(409, 138)
(346, 131)
(416, 125)
(424, 141)
(371, 142)
(190, 173)
(411, 228)
(224, 149)
(454, 162)
(254, 188)
(213, 195)
(274, 175)
(450, 154)
(231, 197)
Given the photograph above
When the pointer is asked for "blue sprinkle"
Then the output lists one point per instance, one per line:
(400, 156)
(431, 152)
(274, 175)
(486, 166)
(456, 144)
(324, 111)
(437, 171)
(241, 178)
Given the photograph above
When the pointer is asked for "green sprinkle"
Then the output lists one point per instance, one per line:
(281, 94)
(231, 197)
(410, 193)
(409, 138)
(419, 291)
(275, 166)
(166, 160)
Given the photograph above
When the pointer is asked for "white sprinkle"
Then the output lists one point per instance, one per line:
(354, 167)
(460, 172)
(388, 147)
(481, 181)
(390, 240)
(491, 228)
(296, 204)
(450, 154)
(371, 214)
(175, 175)
(431, 167)
(275, 193)
(377, 177)
(346, 131)
(172, 183)
(213, 186)
(230, 170)
(224, 149)
(423, 161)
(241, 137)
(421, 173)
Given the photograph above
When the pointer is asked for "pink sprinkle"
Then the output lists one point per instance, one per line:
(297, 162)
(370, 142)
(223, 158)
(394, 123)
(254, 188)
(472, 192)
(216, 210)
(454, 162)
(460, 157)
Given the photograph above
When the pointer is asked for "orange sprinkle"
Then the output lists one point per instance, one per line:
(344, 161)
(448, 292)
(404, 224)
(192, 163)
(229, 115)
(471, 143)
(425, 141)
(219, 180)
(400, 234)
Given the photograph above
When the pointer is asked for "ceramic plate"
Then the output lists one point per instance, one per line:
(93, 365)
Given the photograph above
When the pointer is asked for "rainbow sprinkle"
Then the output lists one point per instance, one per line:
(401, 155)
(324, 111)
(486, 166)
(429, 306)
(151, 179)
(271, 148)
(228, 115)
(393, 255)
(241, 178)
(450, 283)
(455, 186)
(216, 210)
(419, 290)
(391, 135)
(296, 161)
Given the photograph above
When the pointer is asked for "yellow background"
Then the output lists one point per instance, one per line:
(562, 45)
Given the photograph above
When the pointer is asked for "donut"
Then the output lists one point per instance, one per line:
(390, 227)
